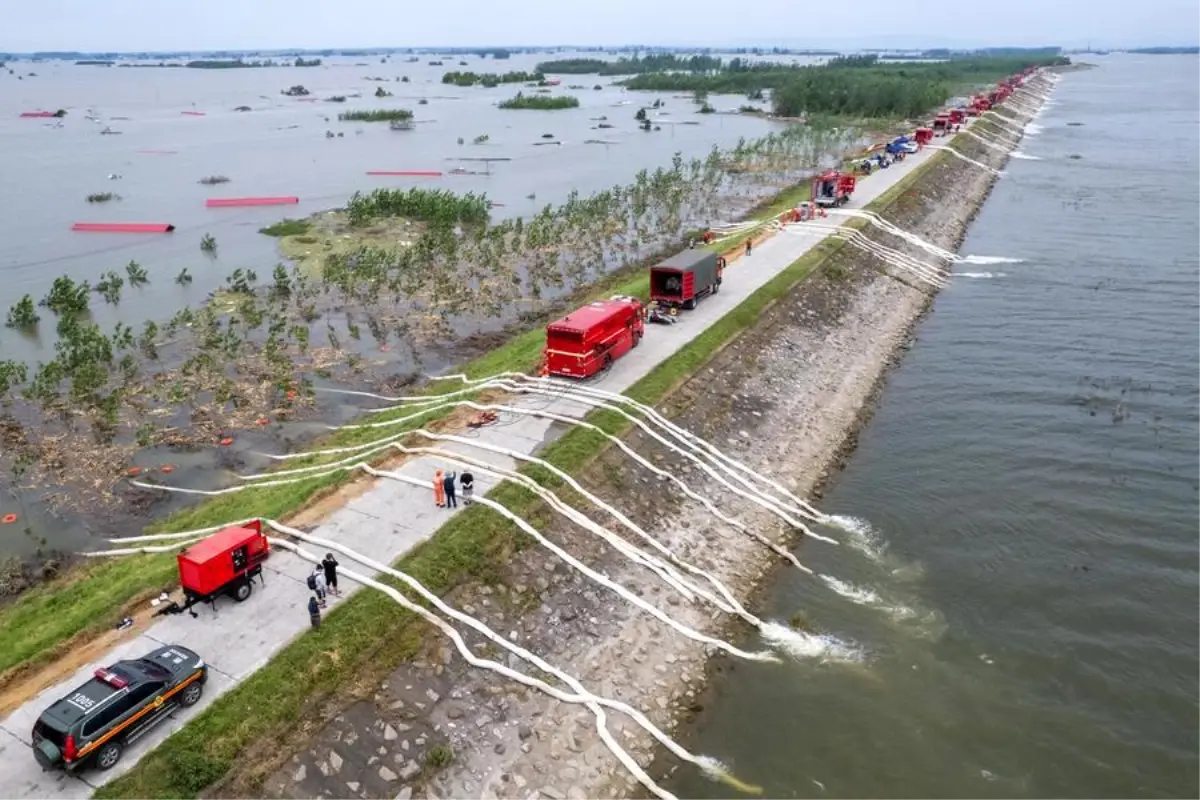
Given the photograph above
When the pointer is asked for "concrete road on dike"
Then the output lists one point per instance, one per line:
(384, 523)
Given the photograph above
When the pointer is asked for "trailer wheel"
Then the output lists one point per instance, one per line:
(241, 591)
(689, 304)
(716, 287)
(637, 339)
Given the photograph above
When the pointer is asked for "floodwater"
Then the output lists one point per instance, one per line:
(1023, 604)
(280, 148)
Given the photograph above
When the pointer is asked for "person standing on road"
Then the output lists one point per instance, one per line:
(749, 246)
(330, 565)
(318, 581)
(314, 612)
(439, 489)
(448, 486)
(468, 487)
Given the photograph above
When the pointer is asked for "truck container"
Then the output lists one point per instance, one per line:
(685, 277)
(591, 338)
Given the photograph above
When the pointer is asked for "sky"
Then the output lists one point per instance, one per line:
(141, 25)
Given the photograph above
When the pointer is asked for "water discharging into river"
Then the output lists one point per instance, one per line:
(1030, 621)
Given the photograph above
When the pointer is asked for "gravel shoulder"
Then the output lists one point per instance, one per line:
(786, 398)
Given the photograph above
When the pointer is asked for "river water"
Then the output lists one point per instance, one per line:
(1022, 609)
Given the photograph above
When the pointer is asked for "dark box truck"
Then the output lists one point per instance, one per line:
(684, 278)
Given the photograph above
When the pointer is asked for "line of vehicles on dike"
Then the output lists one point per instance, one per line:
(92, 725)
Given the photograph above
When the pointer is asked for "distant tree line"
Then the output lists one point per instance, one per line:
(855, 85)
(656, 62)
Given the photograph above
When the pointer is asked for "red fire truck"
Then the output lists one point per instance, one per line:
(833, 188)
(224, 563)
(589, 339)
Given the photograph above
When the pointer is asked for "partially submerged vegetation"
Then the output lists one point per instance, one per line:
(489, 79)
(102, 197)
(857, 86)
(287, 227)
(213, 180)
(539, 102)
(376, 115)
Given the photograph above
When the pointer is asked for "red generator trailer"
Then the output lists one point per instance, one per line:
(941, 122)
(833, 188)
(923, 136)
(685, 277)
(591, 338)
(958, 116)
(224, 563)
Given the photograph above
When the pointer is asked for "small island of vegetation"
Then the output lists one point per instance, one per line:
(376, 115)
(539, 102)
(488, 79)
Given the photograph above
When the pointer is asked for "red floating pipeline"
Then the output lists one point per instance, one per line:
(235, 202)
(123, 227)
(411, 173)
(37, 114)
(192, 113)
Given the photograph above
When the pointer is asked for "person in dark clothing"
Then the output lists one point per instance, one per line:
(468, 487)
(448, 485)
(749, 246)
(314, 612)
(330, 565)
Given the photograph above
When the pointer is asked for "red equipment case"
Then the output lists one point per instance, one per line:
(224, 563)
(589, 339)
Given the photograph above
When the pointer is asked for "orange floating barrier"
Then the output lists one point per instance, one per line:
(123, 227)
(133, 472)
(262, 421)
(237, 202)
(8, 519)
(167, 468)
(37, 114)
(192, 113)
(408, 173)
(228, 440)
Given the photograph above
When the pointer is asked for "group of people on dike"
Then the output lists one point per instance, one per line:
(445, 495)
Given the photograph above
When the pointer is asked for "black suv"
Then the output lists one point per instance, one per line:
(98, 720)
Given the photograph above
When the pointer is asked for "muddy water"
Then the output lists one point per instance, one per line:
(1023, 599)
(279, 147)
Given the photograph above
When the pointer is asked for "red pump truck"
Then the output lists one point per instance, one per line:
(224, 563)
(833, 188)
(589, 339)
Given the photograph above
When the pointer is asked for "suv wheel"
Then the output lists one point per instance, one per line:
(109, 755)
(191, 695)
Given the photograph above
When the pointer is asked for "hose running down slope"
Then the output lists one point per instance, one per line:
(579, 695)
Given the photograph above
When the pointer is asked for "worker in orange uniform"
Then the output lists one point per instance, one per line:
(439, 489)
